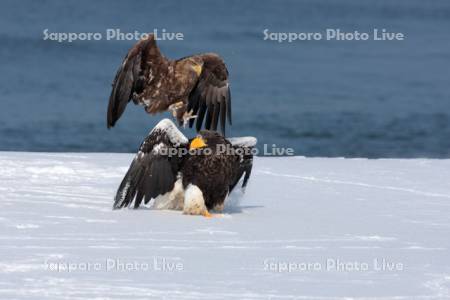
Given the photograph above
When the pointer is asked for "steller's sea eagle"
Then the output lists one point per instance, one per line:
(191, 87)
(193, 175)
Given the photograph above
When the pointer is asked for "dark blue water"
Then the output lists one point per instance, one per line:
(322, 98)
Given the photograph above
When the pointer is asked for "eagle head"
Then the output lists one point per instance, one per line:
(207, 138)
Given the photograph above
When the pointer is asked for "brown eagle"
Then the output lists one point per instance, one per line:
(193, 175)
(192, 87)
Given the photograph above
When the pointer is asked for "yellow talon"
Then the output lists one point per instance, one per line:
(206, 214)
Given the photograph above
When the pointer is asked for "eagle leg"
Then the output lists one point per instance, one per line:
(178, 110)
(175, 107)
(219, 207)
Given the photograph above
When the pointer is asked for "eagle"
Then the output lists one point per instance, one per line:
(193, 87)
(194, 175)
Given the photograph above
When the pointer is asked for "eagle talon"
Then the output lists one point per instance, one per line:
(206, 214)
(187, 116)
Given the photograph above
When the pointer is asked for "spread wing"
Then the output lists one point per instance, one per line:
(154, 170)
(211, 96)
(144, 55)
(244, 166)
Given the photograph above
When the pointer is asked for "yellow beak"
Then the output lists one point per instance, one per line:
(197, 143)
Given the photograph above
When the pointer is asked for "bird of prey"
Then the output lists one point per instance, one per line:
(193, 87)
(193, 175)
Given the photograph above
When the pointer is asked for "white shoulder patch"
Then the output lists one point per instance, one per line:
(157, 149)
(244, 141)
(172, 131)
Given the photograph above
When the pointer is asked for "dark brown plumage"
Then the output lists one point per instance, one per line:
(191, 86)
(214, 172)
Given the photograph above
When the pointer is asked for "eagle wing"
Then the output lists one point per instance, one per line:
(211, 95)
(245, 163)
(154, 170)
(129, 78)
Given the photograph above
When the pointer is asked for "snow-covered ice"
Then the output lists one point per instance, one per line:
(306, 228)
